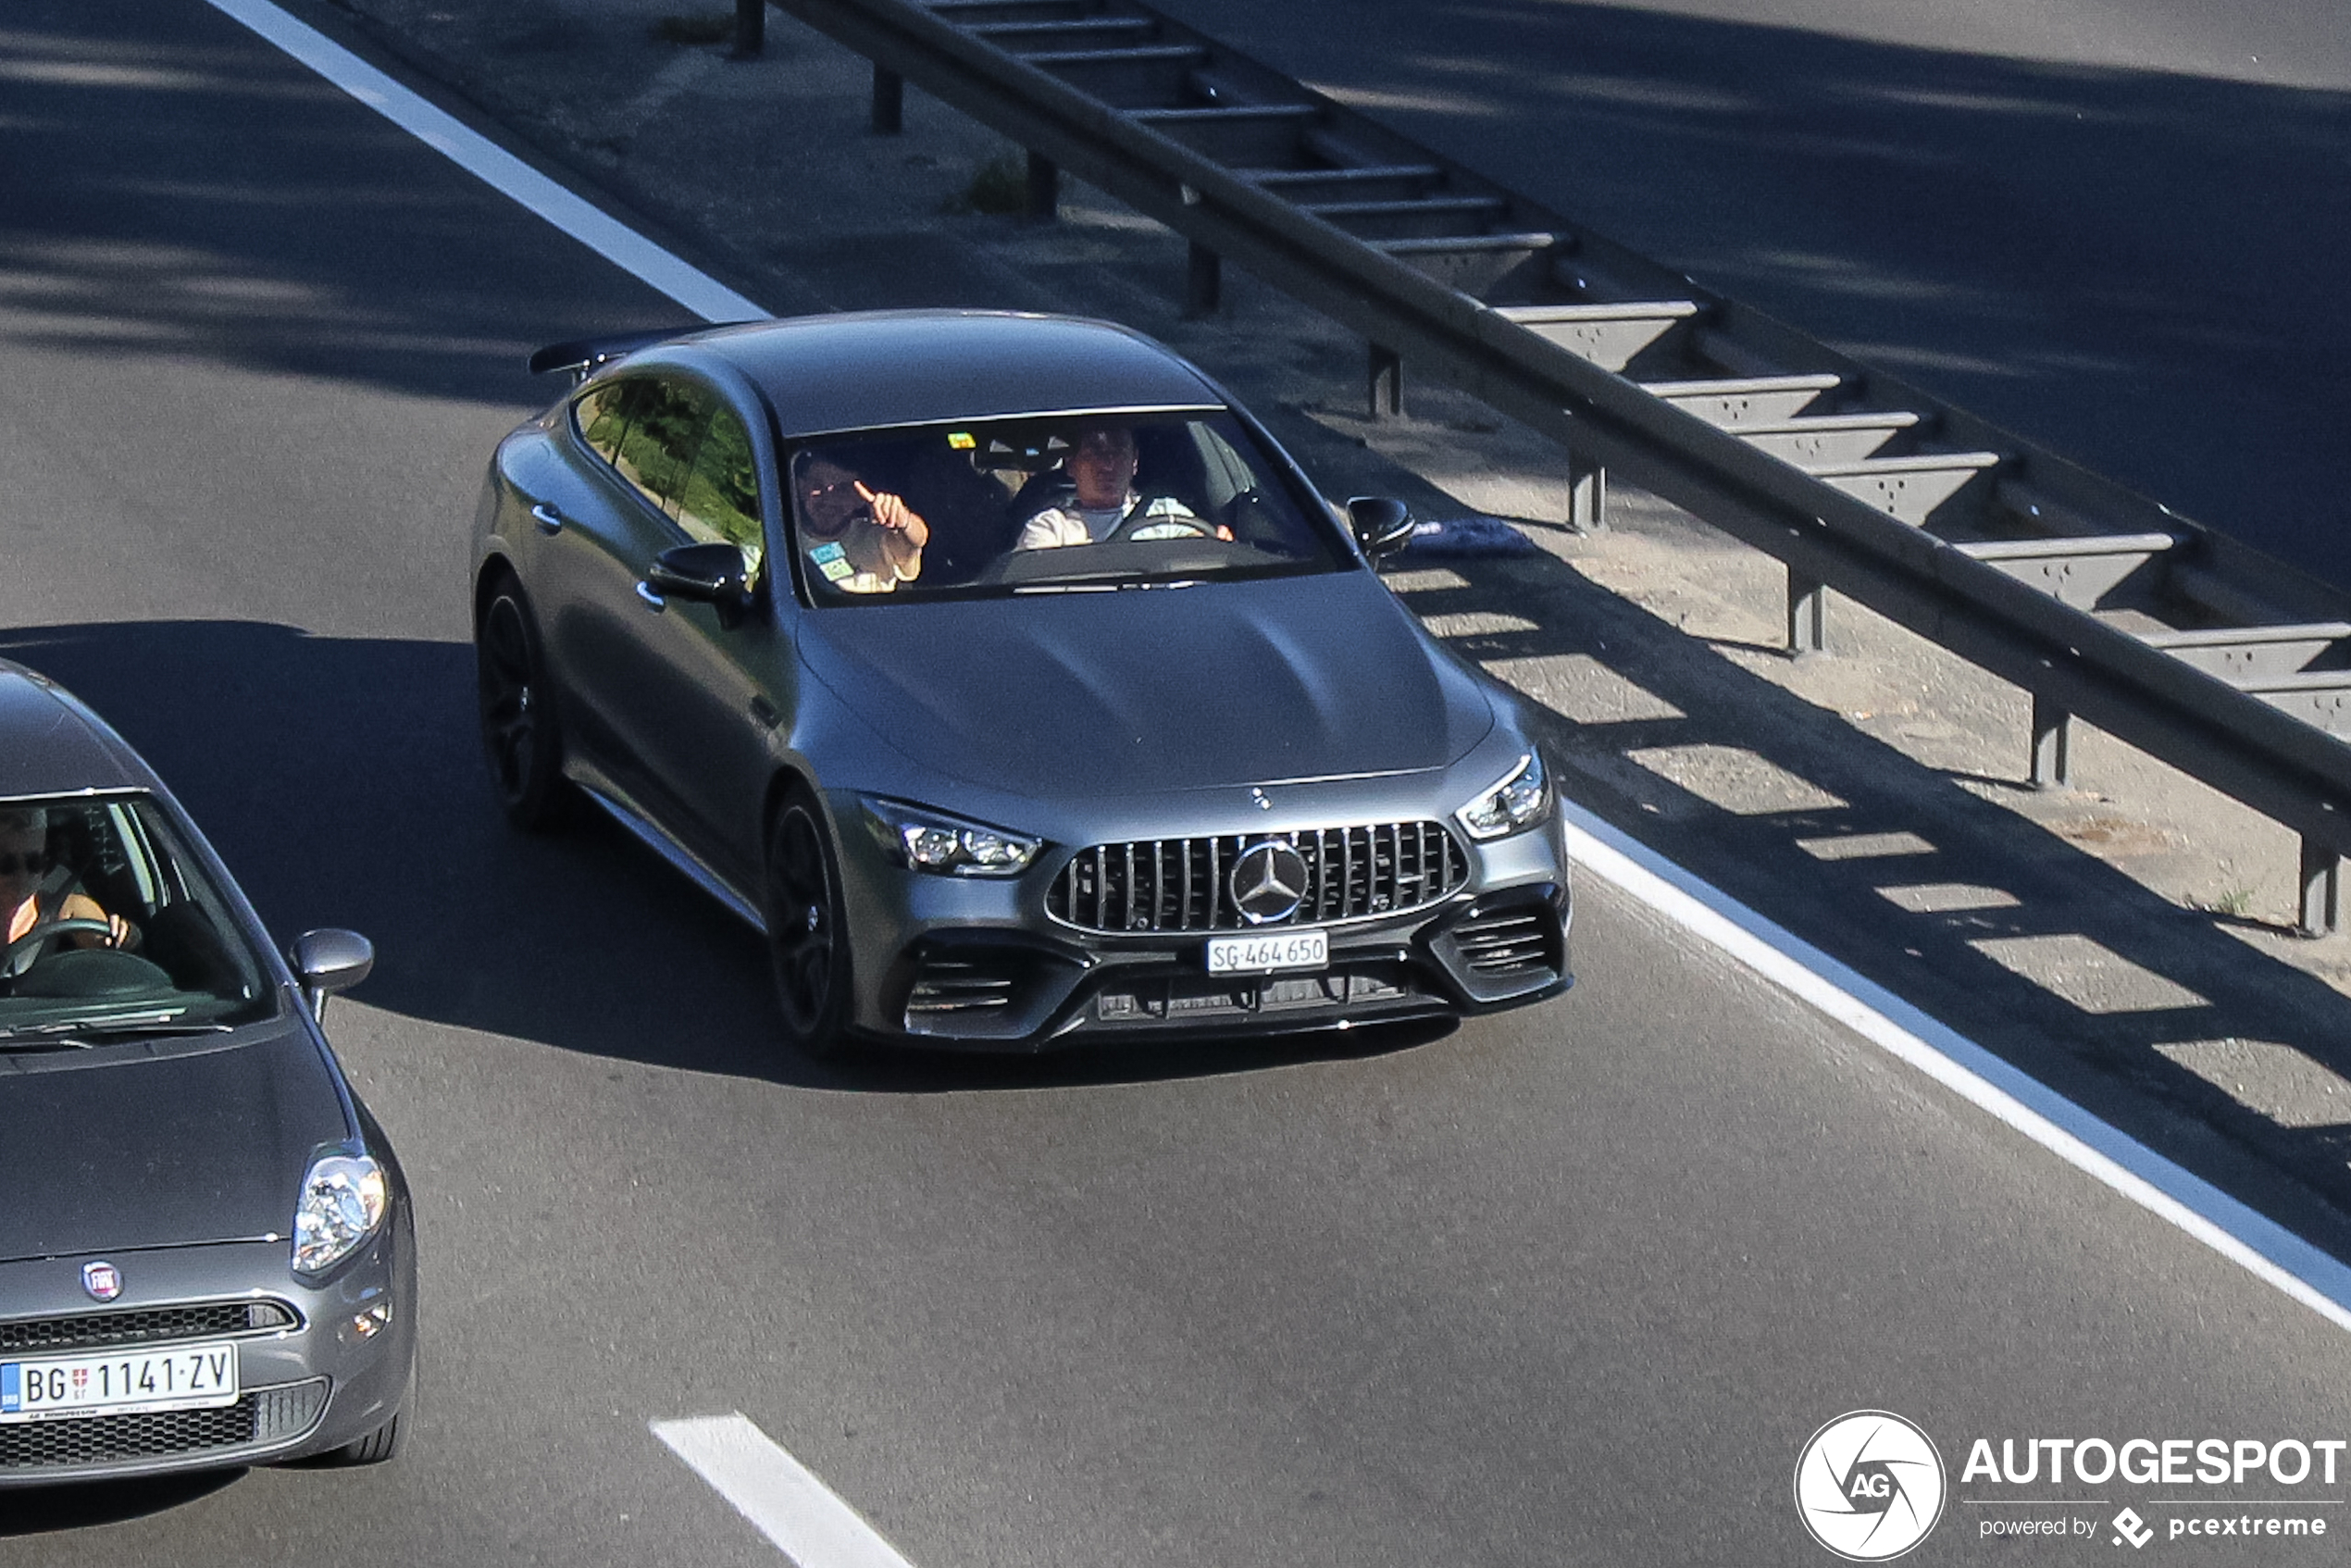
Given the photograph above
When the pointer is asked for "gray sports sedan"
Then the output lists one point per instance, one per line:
(1011, 680)
(205, 1248)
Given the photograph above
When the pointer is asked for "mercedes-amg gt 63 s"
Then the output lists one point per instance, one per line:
(1011, 680)
(206, 1255)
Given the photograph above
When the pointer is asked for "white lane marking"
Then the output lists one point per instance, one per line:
(804, 1517)
(2194, 1205)
(504, 172)
(2248, 1238)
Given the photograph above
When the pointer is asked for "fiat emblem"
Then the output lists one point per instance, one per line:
(103, 1281)
(1268, 882)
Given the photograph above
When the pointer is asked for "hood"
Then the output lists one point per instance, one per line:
(170, 1151)
(1148, 690)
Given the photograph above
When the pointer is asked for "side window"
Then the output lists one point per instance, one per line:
(602, 421)
(649, 430)
(719, 501)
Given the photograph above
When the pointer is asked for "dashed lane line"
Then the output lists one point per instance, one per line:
(2253, 1241)
(804, 1518)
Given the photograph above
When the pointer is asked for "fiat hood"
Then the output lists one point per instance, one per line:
(133, 1151)
(1167, 688)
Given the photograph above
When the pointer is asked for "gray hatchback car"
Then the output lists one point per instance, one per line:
(1013, 681)
(207, 1250)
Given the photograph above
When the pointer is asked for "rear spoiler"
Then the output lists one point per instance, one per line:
(584, 355)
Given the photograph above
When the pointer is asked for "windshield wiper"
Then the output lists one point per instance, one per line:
(77, 1032)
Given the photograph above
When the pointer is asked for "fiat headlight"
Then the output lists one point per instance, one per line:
(1518, 802)
(343, 1199)
(948, 846)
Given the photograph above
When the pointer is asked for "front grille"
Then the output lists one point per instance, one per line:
(265, 1415)
(144, 1325)
(1514, 940)
(1155, 885)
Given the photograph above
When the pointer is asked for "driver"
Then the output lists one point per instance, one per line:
(1101, 466)
(24, 862)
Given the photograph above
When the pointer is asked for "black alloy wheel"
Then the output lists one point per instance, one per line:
(807, 948)
(518, 733)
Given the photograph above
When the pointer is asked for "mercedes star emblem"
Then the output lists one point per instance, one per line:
(1268, 882)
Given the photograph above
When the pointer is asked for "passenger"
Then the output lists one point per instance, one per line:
(24, 863)
(857, 539)
(1104, 502)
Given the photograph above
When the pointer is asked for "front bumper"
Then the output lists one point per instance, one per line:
(977, 965)
(319, 1366)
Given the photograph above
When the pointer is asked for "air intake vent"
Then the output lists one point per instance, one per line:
(953, 987)
(144, 1325)
(1185, 884)
(1508, 941)
(265, 1415)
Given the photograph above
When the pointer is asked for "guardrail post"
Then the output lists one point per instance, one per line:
(1203, 280)
(1808, 615)
(750, 30)
(1586, 497)
(1386, 383)
(890, 102)
(2321, 888)
(1044, 203)
(2052, 745)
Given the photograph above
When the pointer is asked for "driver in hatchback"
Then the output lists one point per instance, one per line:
(25, 905)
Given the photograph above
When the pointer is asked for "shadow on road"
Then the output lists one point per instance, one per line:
(341, 779)
(40, 1510)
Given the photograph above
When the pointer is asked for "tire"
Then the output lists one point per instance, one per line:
(379, 1447)
(807, 939)
(520, 737)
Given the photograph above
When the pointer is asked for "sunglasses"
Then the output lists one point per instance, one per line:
(32, 865)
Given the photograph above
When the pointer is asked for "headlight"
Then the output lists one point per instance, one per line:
(1521, 801)
(948, 846)
(343, 1199)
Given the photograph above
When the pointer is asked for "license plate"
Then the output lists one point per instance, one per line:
(1256, 955)
(122, 1383)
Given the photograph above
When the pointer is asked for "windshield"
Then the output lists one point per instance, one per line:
(1061, 505)
(112, 925)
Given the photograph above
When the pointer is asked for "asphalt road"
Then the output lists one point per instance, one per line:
(1572, 1285)
(2115, 229)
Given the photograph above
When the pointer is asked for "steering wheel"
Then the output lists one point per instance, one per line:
(1146, 530)
(74, 926)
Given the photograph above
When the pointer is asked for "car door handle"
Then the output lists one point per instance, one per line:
(547, 517)
(654, 601)
(764, 711)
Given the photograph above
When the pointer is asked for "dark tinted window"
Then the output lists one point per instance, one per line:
(649, 430)
(720, 498)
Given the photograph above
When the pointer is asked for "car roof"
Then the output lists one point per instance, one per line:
(51, 744)
(872, 369)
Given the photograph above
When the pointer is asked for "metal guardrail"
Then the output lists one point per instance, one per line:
(2220, 661)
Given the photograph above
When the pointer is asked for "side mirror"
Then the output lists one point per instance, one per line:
(703, 574)
(329, 961)
(1382, 526)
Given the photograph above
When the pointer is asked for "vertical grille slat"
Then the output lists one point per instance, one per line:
(1179, 885)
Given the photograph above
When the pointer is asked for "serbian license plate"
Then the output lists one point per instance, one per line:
(1256, 955)
(123, 1383)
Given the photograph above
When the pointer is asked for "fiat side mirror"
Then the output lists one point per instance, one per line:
(329, 961)
(1382, 526)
